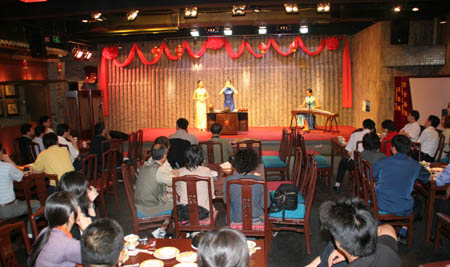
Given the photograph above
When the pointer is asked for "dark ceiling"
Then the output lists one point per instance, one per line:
(164, 19)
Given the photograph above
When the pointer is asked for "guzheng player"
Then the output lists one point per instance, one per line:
(307, 120)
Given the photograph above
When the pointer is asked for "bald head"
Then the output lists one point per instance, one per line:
(159, 151)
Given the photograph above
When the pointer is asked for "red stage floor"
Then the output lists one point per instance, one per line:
(262, 133)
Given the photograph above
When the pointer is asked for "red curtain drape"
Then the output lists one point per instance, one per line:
(346, 77)
(402, 101)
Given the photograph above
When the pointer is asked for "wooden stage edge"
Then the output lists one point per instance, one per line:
(262, 133)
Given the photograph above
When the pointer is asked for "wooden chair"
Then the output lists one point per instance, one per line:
(7, 254)
(194, 224)
(139, 224)
(247, 226)
(132, 143)
(33, 150)
(280, 163)
(249, 144)
(393, 220)
(440, 148)
(37, 221)
(139, 144)
(296, 220)
(360, 189)
(298, 173)
(108, 184)
(442, 224)
(89, 168)
(34, 186)
(209, 145)
(418, 146)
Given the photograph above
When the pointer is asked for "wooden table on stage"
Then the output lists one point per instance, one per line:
(431, 191)
(232, 122)
(219, 180)
(337, 148)
(331, 118)
(256, 260)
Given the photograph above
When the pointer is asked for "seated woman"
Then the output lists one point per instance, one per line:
(223, 247)
(55, 246)
(194, 159)
(389, 131)
(245, 163)
(307, 120)
(75, 182)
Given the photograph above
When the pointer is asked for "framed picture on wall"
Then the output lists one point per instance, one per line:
(10, 90)
(12, 107)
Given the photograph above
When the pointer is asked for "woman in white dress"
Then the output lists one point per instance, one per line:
(200, 96)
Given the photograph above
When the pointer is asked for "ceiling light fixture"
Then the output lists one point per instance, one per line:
(190, 12)
(195, 33)
(212, 30)
(227, 30)
(238, 10)
(323, 7)
(304, 29)
(397, 9)
(442, 20)
(77, 53)
(291, 8)
(262, 29)
(85, 20)
(87, 55)
(415, 9)
(96, 15)
(131, 15)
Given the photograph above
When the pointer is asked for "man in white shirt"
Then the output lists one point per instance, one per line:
(65, 138)
(39, 132)
(429, 140)
(181, 133)
(412, 128)
(352, 145)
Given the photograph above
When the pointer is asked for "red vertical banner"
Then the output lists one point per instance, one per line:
(346, 77)
(402, 101)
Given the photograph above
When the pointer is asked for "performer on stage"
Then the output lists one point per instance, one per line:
(228, 90)
(200, 96)
(310, 102)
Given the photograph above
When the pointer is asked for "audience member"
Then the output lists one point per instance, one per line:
(39, 132)
(165, 173)
(412, 128)
(76, 183)
(216, 129)
(10, 207)
(65, 138)
(429, 140)
(102, 244)
(194, 159)
(389, 131)
(347, 162)
(182, 133)
(358, 239)
(55, 246)
(371, 145)
(23, 141)
(446, 133)
(96, 145)
(150, 197)
(245, 163)
(442, 205)
(223, 247)
(54, 159)
(47, 123)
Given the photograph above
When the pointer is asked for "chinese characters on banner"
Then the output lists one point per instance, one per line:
(402, 101)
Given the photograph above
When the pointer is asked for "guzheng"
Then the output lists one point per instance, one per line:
(331, 117)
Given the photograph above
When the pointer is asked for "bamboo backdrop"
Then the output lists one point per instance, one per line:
(155, 96)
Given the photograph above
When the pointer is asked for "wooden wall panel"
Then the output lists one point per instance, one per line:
(155, 96)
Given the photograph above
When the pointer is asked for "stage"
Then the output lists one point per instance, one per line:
(262, 133)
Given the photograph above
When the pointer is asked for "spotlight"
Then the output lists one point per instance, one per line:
(323, 7)
(303, 29)
(291, 8)
(415, 9)
(262, 30)
(87, 55)
(85, 20)
(227, 30)
(77, 53)
(190, 12)
(442, 20)
(195, 33)
(96, 15)
(397, 9)
(238, 10)
(131, 15)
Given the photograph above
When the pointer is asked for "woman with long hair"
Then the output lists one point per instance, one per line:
(55, 245)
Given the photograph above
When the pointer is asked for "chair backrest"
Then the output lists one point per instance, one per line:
(139, 144)
(360, 188)
(39, 214)
(440, 148)
(285, 145)
(33, 150)
(34, 186)
(249, 144)
(109, 178)
(191, 189)
(384, 145)
(7, 254)
(132, 143)
(298, 167)
(418, 146)
(89, 167)
(369, 183)
(128, 182)
(246, 202)
(209, 145)
(309, 185)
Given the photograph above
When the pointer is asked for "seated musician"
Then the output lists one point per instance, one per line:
(310, 102)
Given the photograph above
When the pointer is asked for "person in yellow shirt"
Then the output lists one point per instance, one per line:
(54, 159)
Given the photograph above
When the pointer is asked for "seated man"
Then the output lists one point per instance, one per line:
(96, 145)
(181, 133)
(245, 163)
(27, 136)
(54, 159)
(180, 142)
(358, 240)
(65, 138)
(10, 207)
(216, 129)
(39, 132)
(429, 140)
(412, 128)
(150, 197)
(347, 163)
(371, 144)
(395, 176)
(47, 123)
(102, 244)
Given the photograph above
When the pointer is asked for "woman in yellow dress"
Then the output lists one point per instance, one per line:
(200, 96)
